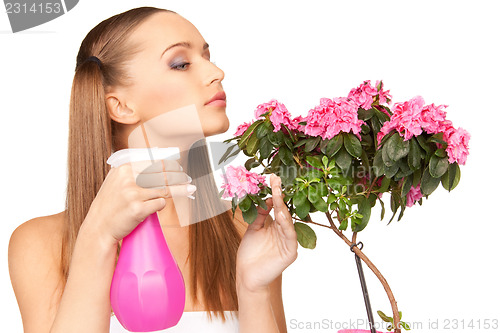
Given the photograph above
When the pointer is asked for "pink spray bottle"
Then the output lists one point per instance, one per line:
(147, 291)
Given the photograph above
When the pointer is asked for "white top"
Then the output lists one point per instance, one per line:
(192, 322)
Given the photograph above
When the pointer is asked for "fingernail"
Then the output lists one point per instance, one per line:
(191, 188)
(190, 179)
(191, 197)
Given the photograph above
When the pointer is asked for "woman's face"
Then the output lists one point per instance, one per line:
(172, 71)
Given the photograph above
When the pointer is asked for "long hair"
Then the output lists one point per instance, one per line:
(92, 139)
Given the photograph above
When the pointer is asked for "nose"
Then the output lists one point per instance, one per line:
(215, 74)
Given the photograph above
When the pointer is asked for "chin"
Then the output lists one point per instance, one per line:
(216, 126)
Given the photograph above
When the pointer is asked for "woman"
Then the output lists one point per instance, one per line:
(131, 68)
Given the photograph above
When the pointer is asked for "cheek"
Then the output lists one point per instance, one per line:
(160, 97)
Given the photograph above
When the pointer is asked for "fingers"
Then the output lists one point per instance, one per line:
(262, 215)
(277, 195)
(154, 205)
(168, 191)
(281, 213)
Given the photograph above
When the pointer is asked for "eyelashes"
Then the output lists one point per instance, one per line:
(184, 65)
(180, 66)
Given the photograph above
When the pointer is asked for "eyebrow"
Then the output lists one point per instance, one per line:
(184, 44)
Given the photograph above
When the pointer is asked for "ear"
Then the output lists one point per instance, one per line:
(119, 111)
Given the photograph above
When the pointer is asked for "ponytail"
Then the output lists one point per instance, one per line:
(89, 146)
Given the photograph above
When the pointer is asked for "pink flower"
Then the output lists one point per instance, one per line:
(458, 145)
(432, 118)
(406, 119)
(294, 124)
(363, 95)
(333, 116)
(242, 128)
(383, 96)
(279, 113)
(413, 196)
(239, 181)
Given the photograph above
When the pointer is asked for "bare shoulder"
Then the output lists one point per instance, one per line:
(34, 265)
(238, 220)
(38, 234)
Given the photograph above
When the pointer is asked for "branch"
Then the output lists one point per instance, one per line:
(374, 269)
(321, 225)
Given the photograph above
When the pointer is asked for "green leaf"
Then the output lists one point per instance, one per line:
(303, 209)
(440, 152)
(245, 203)
(228, 151)
(299, 197)
(451, 178)
(437, 138)
(300, 143)
(365, 114)
(382, 116)
(384, 317)
(414, 155)
(390, 171)
(421, 141)
(417, 177)
(438, 166)
(320, 205)
(261, 203)
(252, 145)
(251, 163)
(305, 235)
(343, 159)
(331, 198)
(313, 193)
(378, 164)
(334, 145)
(312, 143)
(314, 161)
(265, 148)
(248, 132)
(406, 185)
(397, 148)
(263, 129)
(324, 160)
(382, 212)
(386, 181)
(286, 155)
(428, 183)
(250, 215)
(343, 224)
(405, 325)
(275, 164)
(364, 208)
(274, 139)
(352, 144)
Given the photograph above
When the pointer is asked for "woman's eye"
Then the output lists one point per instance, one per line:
(181, 66)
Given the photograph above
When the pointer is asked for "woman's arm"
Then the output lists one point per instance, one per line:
(34, 267)
(85, 304)
(267, 248)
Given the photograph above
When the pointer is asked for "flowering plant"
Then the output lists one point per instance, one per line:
(342, 157)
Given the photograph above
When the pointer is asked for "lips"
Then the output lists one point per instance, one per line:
(219, 99)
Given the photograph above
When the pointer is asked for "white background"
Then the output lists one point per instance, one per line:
(440, 260)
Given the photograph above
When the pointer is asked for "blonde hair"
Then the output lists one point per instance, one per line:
(92, 138)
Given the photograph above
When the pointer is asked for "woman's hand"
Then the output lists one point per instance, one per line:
(132, 192)
(267, 248)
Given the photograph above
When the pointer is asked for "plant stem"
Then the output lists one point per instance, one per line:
(321, 225)
(374, 269)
